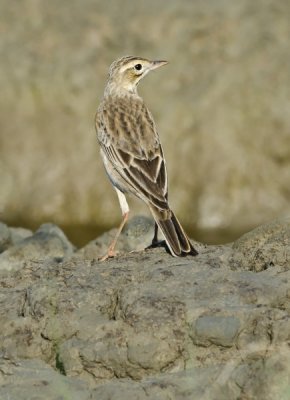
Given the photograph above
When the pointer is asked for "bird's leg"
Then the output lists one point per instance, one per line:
(125, 212)
(111, 250)
(155, 237)
(155, 242)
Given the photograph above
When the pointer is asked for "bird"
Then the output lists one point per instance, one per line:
(132, 154)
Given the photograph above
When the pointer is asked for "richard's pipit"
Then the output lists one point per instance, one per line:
(132, 153)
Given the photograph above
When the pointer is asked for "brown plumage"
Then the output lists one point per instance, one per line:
(132, 153)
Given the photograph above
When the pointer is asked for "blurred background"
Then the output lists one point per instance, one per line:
(222, 107)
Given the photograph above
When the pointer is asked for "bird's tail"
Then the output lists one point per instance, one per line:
(175, 237)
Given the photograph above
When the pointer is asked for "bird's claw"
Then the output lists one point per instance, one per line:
(110, 254)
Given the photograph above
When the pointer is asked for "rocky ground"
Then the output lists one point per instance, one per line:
(144, 325)
(221, 107)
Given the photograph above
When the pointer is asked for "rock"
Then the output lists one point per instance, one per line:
(268, 379)
(28, 379)
(48, 242)
(5, 237)
(18, 234)
(218, 383)
(228, 60)
(219, 330)
(11, 236)
(265, 247)
(146, 324)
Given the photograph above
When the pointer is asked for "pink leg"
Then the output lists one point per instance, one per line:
(111, 250)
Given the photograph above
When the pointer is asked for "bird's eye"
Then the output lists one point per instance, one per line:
(138, 67)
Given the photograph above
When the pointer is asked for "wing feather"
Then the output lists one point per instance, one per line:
(127, 135)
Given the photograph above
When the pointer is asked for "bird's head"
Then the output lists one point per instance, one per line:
(126, 72)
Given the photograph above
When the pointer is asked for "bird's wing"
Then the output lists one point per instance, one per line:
(128, 137)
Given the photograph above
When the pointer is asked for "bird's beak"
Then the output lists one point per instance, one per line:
(157, 64)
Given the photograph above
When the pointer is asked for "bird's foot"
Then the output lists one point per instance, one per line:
(155, 243)
(110, 254)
